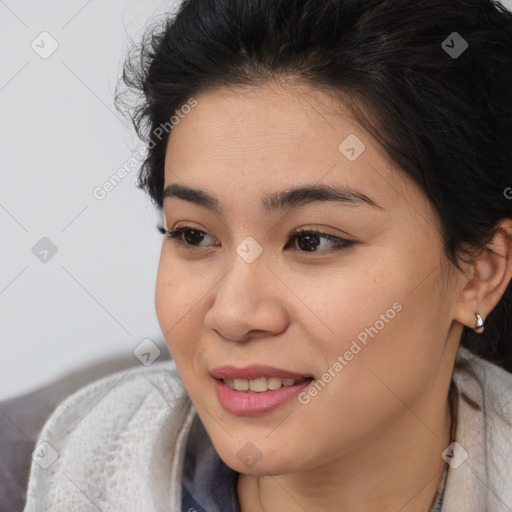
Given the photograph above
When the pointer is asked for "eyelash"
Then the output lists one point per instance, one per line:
(340, 243)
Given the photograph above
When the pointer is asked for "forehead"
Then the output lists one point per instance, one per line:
(252, 140)
(286, 121)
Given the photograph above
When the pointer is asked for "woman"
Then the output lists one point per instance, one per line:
(334, 283)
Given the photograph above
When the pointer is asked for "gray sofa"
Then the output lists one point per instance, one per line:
(22, 418)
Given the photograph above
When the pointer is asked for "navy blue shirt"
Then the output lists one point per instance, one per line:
(209, 485)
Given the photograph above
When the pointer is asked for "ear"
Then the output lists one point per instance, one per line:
(487, 278)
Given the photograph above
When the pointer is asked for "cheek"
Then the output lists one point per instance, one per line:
(383, 315)
(349, 302)
(390, 343)
(180, 303)
(175, 297)
(165, 295)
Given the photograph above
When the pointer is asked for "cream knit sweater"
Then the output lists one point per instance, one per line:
(118, 444)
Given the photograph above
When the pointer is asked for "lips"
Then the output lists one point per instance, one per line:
(256, 389)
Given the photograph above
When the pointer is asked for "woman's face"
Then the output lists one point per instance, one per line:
(360, 314)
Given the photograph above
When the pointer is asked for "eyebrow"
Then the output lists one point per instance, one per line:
(286, 199)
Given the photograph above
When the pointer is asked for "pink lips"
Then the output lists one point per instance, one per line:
(242, 403)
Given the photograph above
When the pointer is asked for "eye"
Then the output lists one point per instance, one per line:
(308, 239)
(189, 238)
(185, 236)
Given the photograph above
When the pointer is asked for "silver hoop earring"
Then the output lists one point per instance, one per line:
(479, 326)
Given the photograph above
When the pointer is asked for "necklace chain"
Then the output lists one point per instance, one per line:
(259, 493)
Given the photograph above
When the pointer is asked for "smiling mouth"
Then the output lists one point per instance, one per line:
(262, 384)
(256, 389)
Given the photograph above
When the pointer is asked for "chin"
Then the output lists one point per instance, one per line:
(259, 460)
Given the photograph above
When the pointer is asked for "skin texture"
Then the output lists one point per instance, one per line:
(372, 438)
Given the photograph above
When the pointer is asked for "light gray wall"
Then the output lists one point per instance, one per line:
(60, 138)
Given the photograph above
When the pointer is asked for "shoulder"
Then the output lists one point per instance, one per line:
(119, 393)
(489, 385)
(22, 417)
(114, 399)
(484, 430)
(100, 440)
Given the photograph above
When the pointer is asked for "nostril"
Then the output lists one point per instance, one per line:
(236, 340)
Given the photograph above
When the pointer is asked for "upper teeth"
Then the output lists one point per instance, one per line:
(260, 384)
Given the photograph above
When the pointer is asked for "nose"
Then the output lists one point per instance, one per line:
(249, 302)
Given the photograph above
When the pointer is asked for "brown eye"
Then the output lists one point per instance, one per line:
(308, 241)
(192, 236)
(186, 236)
